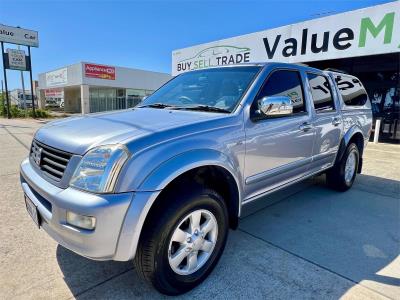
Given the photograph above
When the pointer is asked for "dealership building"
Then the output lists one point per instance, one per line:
(364, 42)
(88, 87)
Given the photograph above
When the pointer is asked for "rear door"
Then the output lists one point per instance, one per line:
(327, 121)
(355, 105)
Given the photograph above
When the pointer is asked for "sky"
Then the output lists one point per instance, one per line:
(143, 34)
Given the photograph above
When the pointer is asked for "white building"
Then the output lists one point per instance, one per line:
(16, 97)
(88, 87)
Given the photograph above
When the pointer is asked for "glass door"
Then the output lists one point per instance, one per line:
(135, 96)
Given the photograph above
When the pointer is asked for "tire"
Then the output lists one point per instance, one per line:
(156, 249)
(336, 177)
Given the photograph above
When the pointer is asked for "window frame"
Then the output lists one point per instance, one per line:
(327, 77)
(255, 118)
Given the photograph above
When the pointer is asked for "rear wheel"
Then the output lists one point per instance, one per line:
(341, 177)
(182, 242)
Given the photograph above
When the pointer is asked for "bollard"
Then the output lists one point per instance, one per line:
(377, 129)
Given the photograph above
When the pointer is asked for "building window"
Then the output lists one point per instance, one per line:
(102, 99)
(135, 96)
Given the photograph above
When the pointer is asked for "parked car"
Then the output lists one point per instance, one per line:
(163, 182)
(52, 103)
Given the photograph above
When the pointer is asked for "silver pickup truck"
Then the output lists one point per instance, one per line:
(162, 183)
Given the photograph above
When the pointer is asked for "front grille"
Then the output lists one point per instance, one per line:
(52, 162)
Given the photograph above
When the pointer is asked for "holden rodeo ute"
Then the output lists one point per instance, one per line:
(162, 183)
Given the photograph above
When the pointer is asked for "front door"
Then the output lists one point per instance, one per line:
(279, 149)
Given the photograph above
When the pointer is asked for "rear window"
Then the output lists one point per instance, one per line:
(351, 90)
(321, 93)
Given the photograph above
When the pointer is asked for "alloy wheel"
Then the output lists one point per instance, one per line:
(193, 242)
(350, 167)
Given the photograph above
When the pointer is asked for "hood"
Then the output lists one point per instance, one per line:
(79, 134)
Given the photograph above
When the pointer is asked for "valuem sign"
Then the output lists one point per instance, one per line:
(369, 31)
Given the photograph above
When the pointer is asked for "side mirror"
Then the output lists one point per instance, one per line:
(275, 106)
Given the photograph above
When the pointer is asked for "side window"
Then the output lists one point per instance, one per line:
(351, 90)
(321, 93)
(284, 83)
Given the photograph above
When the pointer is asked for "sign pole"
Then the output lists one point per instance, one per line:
(2, 96)
(23, 89)
(30, 75)
(5, 81)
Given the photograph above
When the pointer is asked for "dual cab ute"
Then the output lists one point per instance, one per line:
(161, 184)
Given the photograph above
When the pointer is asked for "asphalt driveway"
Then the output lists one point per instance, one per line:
(304, 242)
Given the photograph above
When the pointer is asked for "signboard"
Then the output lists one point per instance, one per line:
(16, 59)
(58, 77)
(99, 71)
(19, 36)
(369, 31)
(54, 93)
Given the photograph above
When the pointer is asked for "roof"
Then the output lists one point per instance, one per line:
(263, 64)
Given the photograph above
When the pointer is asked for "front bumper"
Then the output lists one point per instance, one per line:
(53, 202)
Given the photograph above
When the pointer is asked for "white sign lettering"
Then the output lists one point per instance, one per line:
(19, 36)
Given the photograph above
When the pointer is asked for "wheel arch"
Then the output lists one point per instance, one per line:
(353, 135)
(208, 167)
(214, 177)
(204, 162)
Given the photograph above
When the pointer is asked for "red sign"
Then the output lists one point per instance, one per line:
(53, 93)
(99, 71)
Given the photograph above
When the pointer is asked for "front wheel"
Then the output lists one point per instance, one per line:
(341, 177)
(182, 242)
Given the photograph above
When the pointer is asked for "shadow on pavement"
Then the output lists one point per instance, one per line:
(355, 234)
(378, 185)
(82, 274)
(309, 242)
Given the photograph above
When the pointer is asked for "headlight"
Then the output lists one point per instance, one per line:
(98, 170)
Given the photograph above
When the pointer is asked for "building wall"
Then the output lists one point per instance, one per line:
(74, 77)
(16, 97)
(124, 78)
(124, 81)
(72, 100)
(130, 78)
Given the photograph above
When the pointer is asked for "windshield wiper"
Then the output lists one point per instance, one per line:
(204, 108)
(157, 105)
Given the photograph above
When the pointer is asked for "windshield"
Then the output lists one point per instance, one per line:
(217, 90)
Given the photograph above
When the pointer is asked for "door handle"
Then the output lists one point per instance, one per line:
(336, 121)
(306, 126)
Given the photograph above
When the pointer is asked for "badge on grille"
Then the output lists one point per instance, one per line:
(37, 156)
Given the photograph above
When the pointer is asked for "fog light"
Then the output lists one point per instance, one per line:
(80, 221)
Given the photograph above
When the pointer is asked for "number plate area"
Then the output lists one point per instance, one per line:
(32, 211)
